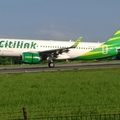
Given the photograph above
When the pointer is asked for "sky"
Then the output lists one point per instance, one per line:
(95, 20)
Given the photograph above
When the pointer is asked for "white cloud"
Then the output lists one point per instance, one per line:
(56, 32)
(53, 34)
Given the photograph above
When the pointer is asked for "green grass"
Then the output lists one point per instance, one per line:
(62, 92)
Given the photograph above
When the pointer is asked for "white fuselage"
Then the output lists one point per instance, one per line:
(15, 47)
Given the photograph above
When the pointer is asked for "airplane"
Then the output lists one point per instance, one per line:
(33, 51)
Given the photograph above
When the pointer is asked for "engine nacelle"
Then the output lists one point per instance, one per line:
(31, 57)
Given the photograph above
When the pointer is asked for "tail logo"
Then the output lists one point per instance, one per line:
(104, 49)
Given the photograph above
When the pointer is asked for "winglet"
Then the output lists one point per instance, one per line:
(76, 43)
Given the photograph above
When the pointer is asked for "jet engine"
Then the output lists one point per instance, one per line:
(31, 57)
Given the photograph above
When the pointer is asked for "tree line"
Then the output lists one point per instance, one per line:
(9, 60)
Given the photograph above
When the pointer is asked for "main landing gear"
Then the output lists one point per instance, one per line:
(51, 64)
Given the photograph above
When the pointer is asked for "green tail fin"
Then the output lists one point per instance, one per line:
(115, 38)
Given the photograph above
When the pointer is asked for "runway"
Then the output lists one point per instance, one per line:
(34, 68)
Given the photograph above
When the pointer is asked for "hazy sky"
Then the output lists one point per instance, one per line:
(95, 20)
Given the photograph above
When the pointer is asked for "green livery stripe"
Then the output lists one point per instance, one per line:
(114, 38)
(92, 53)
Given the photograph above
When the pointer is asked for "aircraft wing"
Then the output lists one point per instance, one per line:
(55, 52)
(60, 50)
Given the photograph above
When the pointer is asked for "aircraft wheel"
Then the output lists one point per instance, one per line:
(51, 64)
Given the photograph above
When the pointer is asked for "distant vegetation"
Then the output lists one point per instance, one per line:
(62, 92)
(17, 61)
(9, 61)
